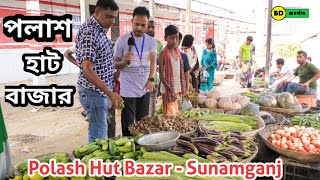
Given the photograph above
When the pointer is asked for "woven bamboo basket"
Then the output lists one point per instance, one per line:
(218, 78)
(229, 76)
(278, 117)
(134, 133)
(285, 112)
(301, 156)
(204, 109)
(251, 134)
(252, 157)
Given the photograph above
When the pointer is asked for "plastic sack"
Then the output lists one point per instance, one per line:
(186, 105)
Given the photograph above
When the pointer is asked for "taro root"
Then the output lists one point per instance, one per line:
(157, 123)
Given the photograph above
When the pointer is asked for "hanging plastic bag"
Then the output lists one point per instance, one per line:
(186, 105)
(204, 76)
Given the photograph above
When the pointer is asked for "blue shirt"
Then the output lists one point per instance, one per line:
(186, 65)
(92, 44)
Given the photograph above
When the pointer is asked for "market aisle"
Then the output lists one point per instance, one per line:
(59, 129)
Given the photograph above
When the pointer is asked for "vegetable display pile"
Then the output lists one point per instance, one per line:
(110, 149)
(268, 118)
(213, 100)
(193, 97)
(164, 123)
(282, 100)
(297, 138)
(252, 96)
(309, 120)
(23, 167)
(223, 122)
(214, 146)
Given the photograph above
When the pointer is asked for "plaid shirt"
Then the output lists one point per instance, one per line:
(92, 44)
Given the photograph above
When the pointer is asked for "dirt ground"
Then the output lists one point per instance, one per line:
(51, 130)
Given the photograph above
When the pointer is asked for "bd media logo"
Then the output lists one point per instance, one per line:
(278, 13)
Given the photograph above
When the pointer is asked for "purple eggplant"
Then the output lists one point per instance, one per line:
(242, 147)
(186, 138)
(235, 150)
(179, 153)
(188, 145)
(204, 149)
(234, 141)
(219, 139)
(240, 137)
(213, 132)
(217, 159)
(219, 148)
(229, 155)
(181, 148)
(205, 140)
(236, 132)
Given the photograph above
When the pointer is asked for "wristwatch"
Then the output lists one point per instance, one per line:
(151, 79)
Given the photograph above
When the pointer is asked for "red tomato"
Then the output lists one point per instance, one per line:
(313, 137)
(274, 142)
(305, 147)
(272, 136)
(306, 134)
(296, 140)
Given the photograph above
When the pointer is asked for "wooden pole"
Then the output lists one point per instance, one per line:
(268, 50)
(188, 17)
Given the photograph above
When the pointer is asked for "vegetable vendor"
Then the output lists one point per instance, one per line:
(308, 74)
(281, 73)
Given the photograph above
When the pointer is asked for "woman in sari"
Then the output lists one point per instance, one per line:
(188, 48)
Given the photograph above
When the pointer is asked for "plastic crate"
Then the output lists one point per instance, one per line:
(310, 100)
(296, 170)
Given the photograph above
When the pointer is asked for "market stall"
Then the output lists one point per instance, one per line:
(239, 128)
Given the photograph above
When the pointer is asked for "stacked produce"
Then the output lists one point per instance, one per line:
(252, 96)
(309, 120)
(193, 97)
(297, 138)
(223, 122)
(282, 100)
(213, 100)
(23, 167)
(164, 123)
(214, 146)
(268, 118)
(250, 110)
(110, 149)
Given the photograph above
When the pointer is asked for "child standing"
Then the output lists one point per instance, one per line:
(171, 73)
(209, 64)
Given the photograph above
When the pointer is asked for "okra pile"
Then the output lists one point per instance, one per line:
(308, 120)
(215, 146)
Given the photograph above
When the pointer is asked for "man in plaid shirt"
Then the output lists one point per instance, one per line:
(94, 56)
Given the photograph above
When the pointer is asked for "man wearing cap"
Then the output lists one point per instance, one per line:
(153, 94)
